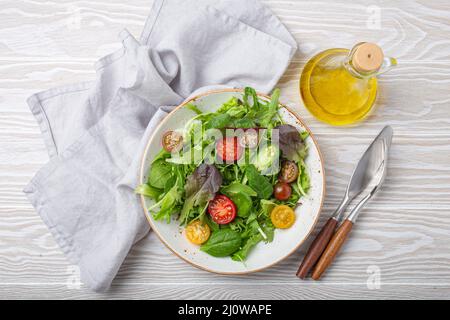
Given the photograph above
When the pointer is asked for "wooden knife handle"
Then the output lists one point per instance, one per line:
(317, 247)
(332, 249)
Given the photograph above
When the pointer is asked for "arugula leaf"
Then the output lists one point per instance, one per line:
(233, 102)
(258, 182)
(237, 112)
(261, 113)
(251, 93)
(222, 243)
(218, 121)
(265, 118)
(244, 123)
(194, 108)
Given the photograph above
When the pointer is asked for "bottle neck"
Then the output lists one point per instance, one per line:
(354, 72)
(348, 65)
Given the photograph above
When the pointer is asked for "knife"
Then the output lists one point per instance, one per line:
(379, 157)
(363, 174)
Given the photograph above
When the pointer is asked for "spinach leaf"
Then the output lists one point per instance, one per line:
(243, 203)
(240, 194)
(222, 243)
(258, 182)
(242, 254)
(170, 183)
(160, 172)
(212, 225)
(237, 187)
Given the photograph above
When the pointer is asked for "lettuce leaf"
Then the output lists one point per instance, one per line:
(291, 143)
(200, 187)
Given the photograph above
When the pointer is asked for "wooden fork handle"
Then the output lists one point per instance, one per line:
(332, 249)
(317, 247)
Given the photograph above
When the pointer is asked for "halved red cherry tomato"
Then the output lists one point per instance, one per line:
(222, 209)
(282, 191)
(229, 149)
(289, 172)
(172, 141)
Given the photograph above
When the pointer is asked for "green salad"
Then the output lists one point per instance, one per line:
(230, 177)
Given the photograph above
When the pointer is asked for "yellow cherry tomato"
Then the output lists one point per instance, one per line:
(197, 232)
(282, 217)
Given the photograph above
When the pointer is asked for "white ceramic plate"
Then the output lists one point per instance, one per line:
(263, 255)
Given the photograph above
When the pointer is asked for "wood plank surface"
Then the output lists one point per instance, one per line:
(402, 236)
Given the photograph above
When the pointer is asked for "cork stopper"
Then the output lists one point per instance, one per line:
(367, 57)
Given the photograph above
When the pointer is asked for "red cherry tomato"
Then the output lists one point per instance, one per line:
(222, 209)
(282, 191)
(229, 149)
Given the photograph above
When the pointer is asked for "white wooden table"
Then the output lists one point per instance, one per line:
(404, 234)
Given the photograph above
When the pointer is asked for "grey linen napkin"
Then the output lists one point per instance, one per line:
(95, 132)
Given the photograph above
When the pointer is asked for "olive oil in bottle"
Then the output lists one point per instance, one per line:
(339, 86)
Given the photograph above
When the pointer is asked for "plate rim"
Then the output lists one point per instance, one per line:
(192, 263)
